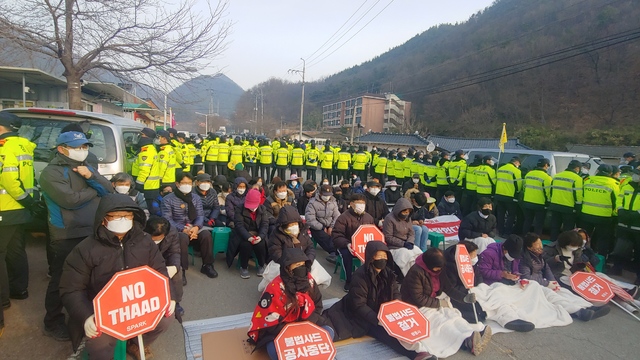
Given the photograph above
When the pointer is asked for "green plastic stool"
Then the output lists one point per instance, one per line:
(600, 266)
(220, 237)
(356, 263)
(436, 238)
(192, 254)
(546, 242)
(119, 352)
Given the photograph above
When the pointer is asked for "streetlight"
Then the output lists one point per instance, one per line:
(302, 72)
(206, 122)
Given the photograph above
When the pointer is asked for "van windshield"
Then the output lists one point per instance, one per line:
(44, 132)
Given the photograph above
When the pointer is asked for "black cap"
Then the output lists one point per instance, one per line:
(416, 176)
(543, 162)
(515, 158)
(203, 177)
(181, 135)
(487, 157)
(604, 168)
(574, 164)
(459, 152)
(326, 190)
(513, 245)
(172, 131)
(10, 120)
(373, 183)
(164, 134)
(629, 154)
(148, 133)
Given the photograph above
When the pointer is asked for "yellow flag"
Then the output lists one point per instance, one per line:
(503, 137)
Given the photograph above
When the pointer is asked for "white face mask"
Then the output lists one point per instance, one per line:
(393, 188)
(241, 191)
(156, 141)
(119, 226)
(185, 189)
(294, 183)
(451, 200)
(584, 243)
(281, 195)
(205, 186)
(584, 171)
(465, 156)
(490, 163)
(508, 257)
(78, 154)
(415, 181)
(293, 230)
(326, 198)
(359, 208)
(474, 260)
(259, 183)
(374, 191)
(158, 241)
(572, 248)
(123, 189)
(325, 183)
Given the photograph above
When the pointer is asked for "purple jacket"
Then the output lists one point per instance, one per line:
(491, 264)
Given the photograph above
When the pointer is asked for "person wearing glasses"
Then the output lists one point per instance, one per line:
(72, 190)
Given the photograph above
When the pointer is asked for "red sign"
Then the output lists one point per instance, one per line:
(362, 236)
(132, 303)
(403, 321)
(591, 287)
(304, 340)
(447, 225)
(465, 268)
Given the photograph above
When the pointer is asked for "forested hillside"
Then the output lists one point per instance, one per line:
(554, 71)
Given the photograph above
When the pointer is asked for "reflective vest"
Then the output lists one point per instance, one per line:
(168, 163)
(391, 167)
(537, 187)
(223, 152)
(186, 157)
(629, 206)
(406, 166)
(415, 166)
(443, 173)
(145, 160)
(429, 172)
(250, 154)
(601, 196)
(327, 159)
(470, 178)
(266, 155)
(17, 179)
(344, 160)
(313, 156)
(275, 144)
(399, 168)
(282, 156)
(177, 149)
(566, 190)
(509, 181)
(211, 153)
(485, 180)
(236, 153)
(360, 161)
(457, 171)
(381, 165)
(193, 152)
(297, 157)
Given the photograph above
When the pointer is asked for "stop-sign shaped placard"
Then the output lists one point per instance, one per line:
(403, 321)
(132, 303)
(362, 236)
(465, 268)
(591, 287)
(304, 340)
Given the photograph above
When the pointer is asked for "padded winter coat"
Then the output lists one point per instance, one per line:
(474, 225)
(279, 240)
(320, 215)
(346, 225)
(397, 231)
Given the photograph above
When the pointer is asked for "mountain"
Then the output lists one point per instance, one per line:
(554, 71)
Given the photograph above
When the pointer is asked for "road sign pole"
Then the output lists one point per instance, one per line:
(625, 310)
(141, 347)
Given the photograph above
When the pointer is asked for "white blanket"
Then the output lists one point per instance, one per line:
(319, 274)
(482, 243)
(405, 258)
(448, 329)
(504, 303)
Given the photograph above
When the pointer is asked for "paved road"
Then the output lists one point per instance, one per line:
(612, 337)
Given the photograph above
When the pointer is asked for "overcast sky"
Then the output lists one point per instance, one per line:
(270, 36)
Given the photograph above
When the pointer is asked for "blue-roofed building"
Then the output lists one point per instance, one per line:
(441, 142)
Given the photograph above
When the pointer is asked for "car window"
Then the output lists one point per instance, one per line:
(529, 163)
(44, 133)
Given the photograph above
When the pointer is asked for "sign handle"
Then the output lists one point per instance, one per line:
(141, 347)
(625, 310)
(475, 313)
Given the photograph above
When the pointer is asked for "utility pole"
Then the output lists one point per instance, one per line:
(302, 101)
(255, 117)
(206, 122)
(353, 119)
(165, 111)
(261, 111)
(281, 122)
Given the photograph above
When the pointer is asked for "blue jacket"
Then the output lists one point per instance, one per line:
(156, 206)
(176, 211)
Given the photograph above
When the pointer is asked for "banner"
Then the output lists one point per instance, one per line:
(448, 225)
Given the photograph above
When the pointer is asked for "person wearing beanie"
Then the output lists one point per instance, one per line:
(239, 171)
(421, 286)
(303, 200)
(251, 226)
(479, 227)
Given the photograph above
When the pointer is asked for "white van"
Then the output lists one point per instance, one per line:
(529, 158)
(110, 135)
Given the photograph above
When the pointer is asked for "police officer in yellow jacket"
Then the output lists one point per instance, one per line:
(223, 157)
(343, 163)
(250, 156)
(380, 166)
(359, 160)
(166, 159)
(486, 178)
(327, 161)
(508, 190)
(236, 151)
(599, 209)
(536, 196)
(297, 159)
(177, 148)
(469, 198)
(266, 160)
(282, 159)
(627, 248)
(457, 173)
(443, 174)
(187, 160)
(148, 177)
(210, 155)
(312, 159)
(566, 199)
(16, 190)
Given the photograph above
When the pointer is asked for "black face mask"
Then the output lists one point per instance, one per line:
(379, 264)
(402, 216)
(485, 211)
(300, 272)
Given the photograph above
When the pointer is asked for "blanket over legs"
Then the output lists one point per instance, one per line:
(405, 258)
(272, 270)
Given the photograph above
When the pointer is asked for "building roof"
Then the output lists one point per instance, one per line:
(32, 76)
(393, 139)
(456, 143)
(610, 152)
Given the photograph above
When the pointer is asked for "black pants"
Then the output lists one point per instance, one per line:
(282, 172)
(252, 168)
(246, 248)
(533, 215)
(324, 240)
(344, 174)
(382, 178)
(506, 208)
(296, 169)
(210, 168)
(101, 347)
(204, 244)
(602, 230)
(561, 220)
(14, 267)
(469, 202)
(265, 171)
(326, 174)
(52, 302)
(627, 248)
(184, 250)
(311, 173)
(347, 263)
(222, 169)
(335, 174)
(380, 334)
(441, 190)
(457, 190)
(467, 311)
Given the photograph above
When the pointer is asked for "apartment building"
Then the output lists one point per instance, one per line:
(372, 112)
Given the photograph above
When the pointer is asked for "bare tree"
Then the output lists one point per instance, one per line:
(147, 41)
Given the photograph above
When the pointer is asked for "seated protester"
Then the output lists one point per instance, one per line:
(451, 277)
(235, 200)
(218, 181)
(91, 264)
(169, 246)
(413, 183)
(449, 206)
(375, 205)
(295, 290)
(279, 198)
(122, 184)
(209, 198)
(345, 226)
(275, 179)
(564, 256)
(225, 190)
(374, 283)
(303, 200)
(533, 267)
(184, 212)
(346, 190)
(343, 204)
(399, 236)
(290, 232)
(418, 216)
(325, 181)
(264, 191)
(250, 234)
(430, 210)
(321, 215)
(479, 227)
(392, 192)
(294, 185)
(156, 204)
(358, 187)
(241, 172)
(588, 254)
(500, 261)
(422, 287)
